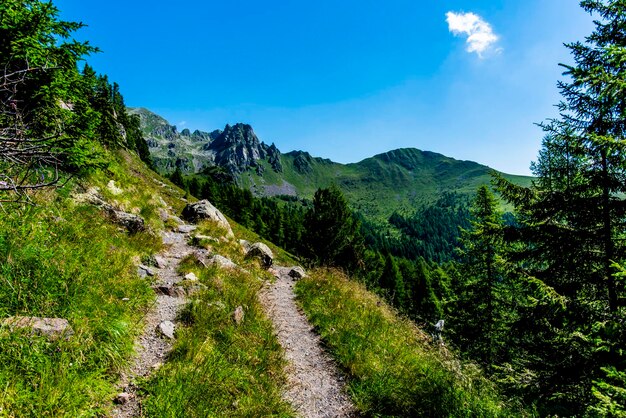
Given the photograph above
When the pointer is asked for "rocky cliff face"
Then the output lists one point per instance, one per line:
(236, 148)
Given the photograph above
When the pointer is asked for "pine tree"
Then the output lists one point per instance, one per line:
(481, 246)
(333, 235)
(572, 222)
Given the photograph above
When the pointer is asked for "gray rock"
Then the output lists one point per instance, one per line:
(169, 290)
(297, 273)
(51, 328)
(245, 245)
(262, 252)
(238, 315)
(167, 328)
(160, 262)
(191, 277)
(221, 262)
(132, 223)
(163, 215)
(203, 209)
(144, 271)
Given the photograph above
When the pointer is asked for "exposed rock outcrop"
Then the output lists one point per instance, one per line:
(262, 252)
(296, 273)
(203, 209)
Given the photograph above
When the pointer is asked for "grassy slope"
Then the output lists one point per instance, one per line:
(61, 258)
(65, 259)
(392, 367)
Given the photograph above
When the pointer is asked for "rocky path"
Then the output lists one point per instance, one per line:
(155, 342)
(315, 386)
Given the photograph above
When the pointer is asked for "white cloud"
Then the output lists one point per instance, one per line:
(480, 36)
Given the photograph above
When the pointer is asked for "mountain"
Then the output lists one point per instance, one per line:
(236, 148)
(399, 180)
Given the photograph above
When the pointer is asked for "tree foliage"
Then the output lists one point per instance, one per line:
(53, 118)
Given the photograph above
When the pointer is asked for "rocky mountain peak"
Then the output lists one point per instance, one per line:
(236, 148)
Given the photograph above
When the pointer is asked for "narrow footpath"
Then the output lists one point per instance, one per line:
(315, 387)
(156, 340)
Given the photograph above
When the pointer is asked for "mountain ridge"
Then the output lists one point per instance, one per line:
(402, 179)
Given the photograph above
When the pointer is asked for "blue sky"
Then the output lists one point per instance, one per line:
(345, 79)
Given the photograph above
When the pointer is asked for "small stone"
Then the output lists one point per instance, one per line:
(132, 223)
(122, 398)
(238, 315)
(197, 239)
(160, 262)
(125, 299)
(163, 215)
(191, 277)
(113, 188)
(222, 262)
(166, 328)
(156, 366)
(296, 273)
(148, 271)
(169, 290)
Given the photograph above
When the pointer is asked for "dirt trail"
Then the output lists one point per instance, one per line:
(315, 387)
(151, 346)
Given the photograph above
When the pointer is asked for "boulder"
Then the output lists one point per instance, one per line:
(296, 273)
(262, 252)
(167, 328)
(203, 209)
(221, 262)
(51, 328)
(132, 223)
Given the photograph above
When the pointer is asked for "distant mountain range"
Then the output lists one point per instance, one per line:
(399, 180)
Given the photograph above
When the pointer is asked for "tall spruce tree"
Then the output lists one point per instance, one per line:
(572, 221)
(480, 250)
(333, 235)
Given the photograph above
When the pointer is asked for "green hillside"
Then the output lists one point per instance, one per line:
(400, 180)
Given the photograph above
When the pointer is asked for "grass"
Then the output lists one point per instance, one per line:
(392, 368)
(218, 367)
(64, 260)
(60, 258)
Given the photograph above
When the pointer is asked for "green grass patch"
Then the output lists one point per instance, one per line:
(218, 367)
(393, 368)
(59, 259)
